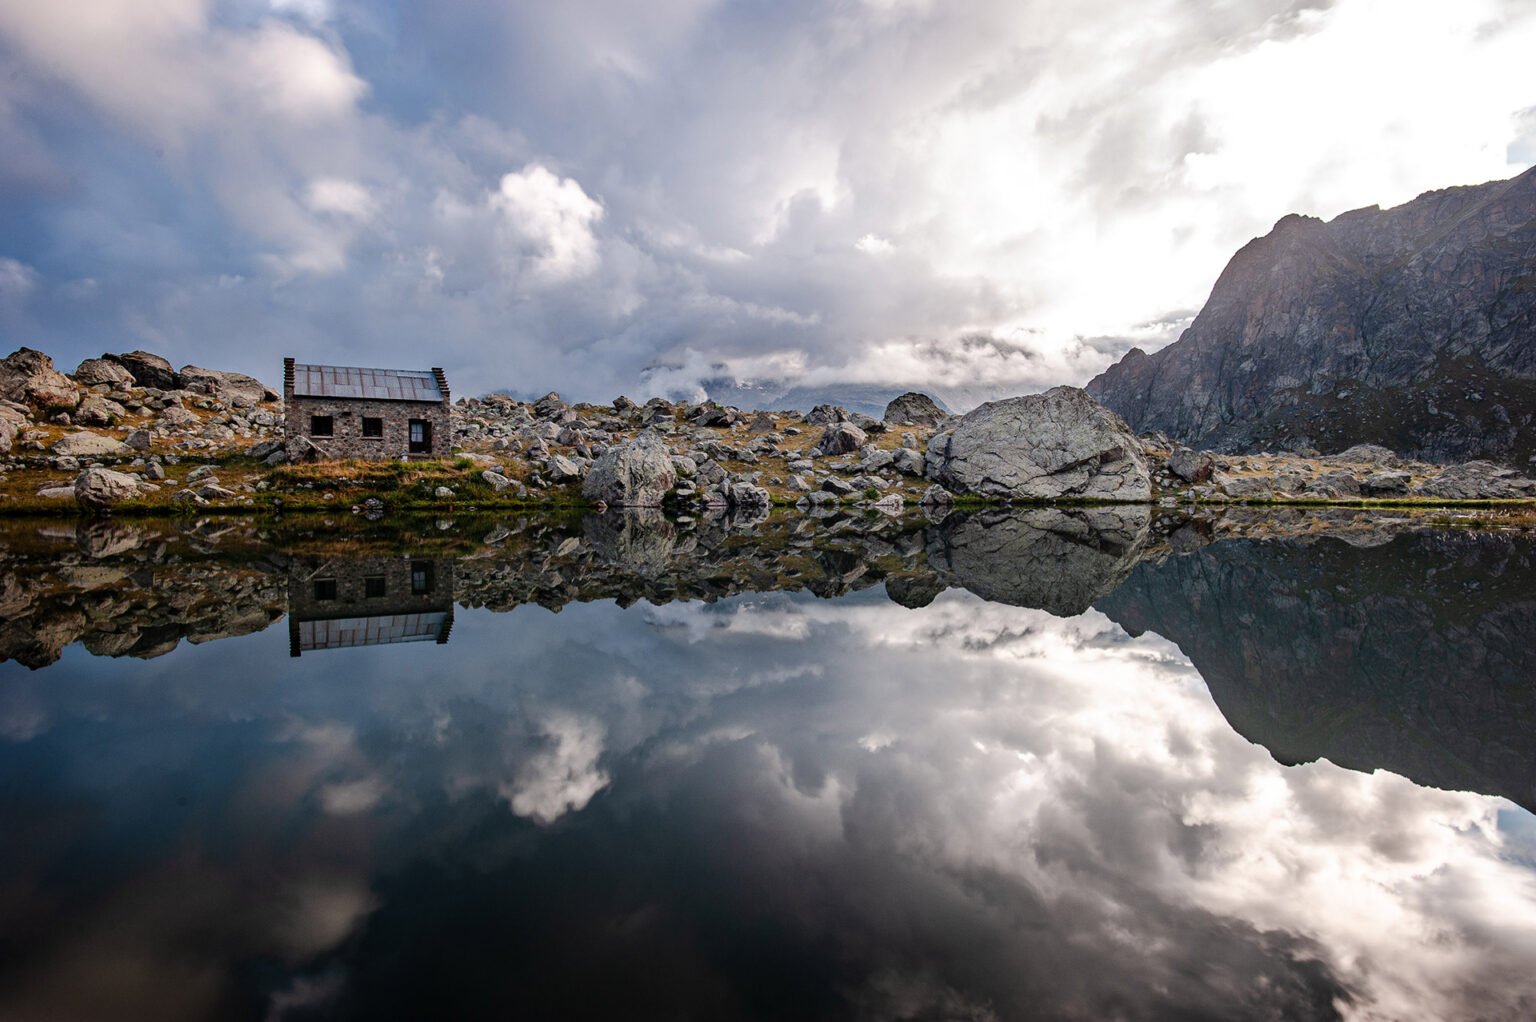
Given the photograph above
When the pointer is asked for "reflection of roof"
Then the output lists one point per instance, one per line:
(372, 384)
(337, 633)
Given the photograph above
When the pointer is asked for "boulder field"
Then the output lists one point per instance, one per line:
(215, 438)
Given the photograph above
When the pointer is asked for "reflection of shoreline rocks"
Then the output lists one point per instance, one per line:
(126, 591)
(1367, 645)
(137, 588)
(1411, 655)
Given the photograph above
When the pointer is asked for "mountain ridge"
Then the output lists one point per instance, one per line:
(1412, 327)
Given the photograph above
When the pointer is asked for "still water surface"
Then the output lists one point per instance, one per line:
(386, 783)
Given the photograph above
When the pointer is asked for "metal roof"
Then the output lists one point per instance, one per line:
(381, 629)
(370, 384)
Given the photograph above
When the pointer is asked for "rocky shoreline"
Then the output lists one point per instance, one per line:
(130, 433)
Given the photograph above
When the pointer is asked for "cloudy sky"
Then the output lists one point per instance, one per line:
(598, 195)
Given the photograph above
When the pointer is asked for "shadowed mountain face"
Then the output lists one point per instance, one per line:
(1413, 656)
(1413, 328)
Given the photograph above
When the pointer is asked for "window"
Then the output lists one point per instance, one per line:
(373, 587)
(322, 425)
(421, 436)
(325, 589)
(372, 428)
(421, 578)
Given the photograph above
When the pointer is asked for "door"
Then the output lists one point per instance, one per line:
(421, 437)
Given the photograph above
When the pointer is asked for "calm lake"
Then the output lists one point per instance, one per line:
(1011, 766)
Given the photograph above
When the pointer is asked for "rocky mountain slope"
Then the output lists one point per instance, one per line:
(1413, 328)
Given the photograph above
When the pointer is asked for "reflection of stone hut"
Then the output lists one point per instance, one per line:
(368, 601)
(349, 412)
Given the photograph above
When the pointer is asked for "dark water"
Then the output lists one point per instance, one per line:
(1031, 766)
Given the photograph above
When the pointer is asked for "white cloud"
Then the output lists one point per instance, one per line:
(553, 217)
(345, 198)
(562, 777)
(17, 282)
(873, 244)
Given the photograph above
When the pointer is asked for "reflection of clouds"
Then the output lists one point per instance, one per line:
(1009, 732)
(983, 809)
(562, 776)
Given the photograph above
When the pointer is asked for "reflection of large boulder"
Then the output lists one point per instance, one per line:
(29, 378)
(1059, 560)
(1411, 656)
(1060, 444)
(640, 540)
(636, 474)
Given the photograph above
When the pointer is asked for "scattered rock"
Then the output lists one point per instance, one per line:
(1191, 466)
(89, 445)
(95, 371)
(177, 417)
(1476, 480)
(1385, 484)
(841, 438)
(1365, 454)
(822, 415)
(235, 389)
(147, 370)
(29, 378)
(915, 408)
(98, 488)
(1244, 487)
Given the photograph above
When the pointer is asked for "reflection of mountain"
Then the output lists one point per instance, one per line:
(1413, 656)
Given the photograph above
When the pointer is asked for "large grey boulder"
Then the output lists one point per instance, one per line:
(29, 378)
(89, 445)
(1476, 480)
(1060, 444)
(99, 370)
(234, 389)
(916, 408)
(98, 488)
(821, 415)
(147, 369)
(841, 438)
(636, 474)
(1191, 466)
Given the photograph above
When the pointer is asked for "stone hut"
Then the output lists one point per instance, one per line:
(350, 412)
(338, 602)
